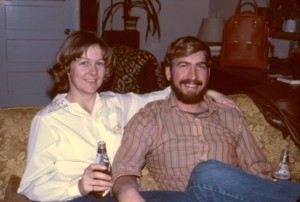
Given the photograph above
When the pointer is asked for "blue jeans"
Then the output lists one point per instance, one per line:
(149, 196)
(216, 181)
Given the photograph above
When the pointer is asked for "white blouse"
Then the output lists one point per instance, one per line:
(63, 141)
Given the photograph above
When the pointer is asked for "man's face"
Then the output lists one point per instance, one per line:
(189, 77)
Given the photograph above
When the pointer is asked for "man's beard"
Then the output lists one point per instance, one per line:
(188, 98)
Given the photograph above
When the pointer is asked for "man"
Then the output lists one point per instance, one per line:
(176, 135)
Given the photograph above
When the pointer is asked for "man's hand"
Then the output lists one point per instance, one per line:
(94, 180)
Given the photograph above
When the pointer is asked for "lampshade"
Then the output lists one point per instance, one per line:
(211, 30)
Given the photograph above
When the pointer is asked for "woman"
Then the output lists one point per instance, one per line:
(64, 135)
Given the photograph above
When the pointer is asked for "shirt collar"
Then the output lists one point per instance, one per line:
(171, 103)
(60, 102)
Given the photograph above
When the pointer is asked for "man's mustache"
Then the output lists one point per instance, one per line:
(191, 81)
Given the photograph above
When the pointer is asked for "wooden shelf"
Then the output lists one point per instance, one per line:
(285, 35)
(129, 38)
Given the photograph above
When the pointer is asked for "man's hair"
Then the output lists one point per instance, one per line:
(186, 46)
(74, 47)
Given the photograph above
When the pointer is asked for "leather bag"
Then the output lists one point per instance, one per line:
(245, 40)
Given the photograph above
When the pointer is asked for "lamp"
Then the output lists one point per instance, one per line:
(211, 30)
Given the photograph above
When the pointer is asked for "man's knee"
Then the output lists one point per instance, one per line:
(208, 166)
(210, 170)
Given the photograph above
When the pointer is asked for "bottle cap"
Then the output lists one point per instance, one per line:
(101, 145)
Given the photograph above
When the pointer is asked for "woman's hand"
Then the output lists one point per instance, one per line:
(222, 99)
(94, 180)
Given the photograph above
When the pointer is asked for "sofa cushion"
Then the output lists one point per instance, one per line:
(14, 130)
(15, 125)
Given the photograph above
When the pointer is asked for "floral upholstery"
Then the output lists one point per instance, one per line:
(14, 130)
(15, 124)
(269, 138)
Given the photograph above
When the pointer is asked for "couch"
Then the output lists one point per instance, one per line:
(15, 125)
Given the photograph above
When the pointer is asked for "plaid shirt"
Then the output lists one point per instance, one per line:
(172, 142)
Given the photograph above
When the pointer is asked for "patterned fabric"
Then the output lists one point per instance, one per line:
(136, 71)
(15, 124)
(14, 131)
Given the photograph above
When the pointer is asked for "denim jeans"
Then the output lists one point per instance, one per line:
(216, 181)
(149, 196)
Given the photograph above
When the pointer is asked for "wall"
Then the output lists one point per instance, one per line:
(31, 32)
(177, 18)
(183, 17)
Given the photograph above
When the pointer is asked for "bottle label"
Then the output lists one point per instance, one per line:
(104, 160)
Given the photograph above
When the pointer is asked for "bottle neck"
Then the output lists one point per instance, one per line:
(284, 158)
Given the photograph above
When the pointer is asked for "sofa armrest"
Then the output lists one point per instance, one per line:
(11, 194)
(280, 106)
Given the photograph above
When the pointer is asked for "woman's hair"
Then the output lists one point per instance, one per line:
(74, 47)
(185, 46)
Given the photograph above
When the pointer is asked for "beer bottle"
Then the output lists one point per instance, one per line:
(283, 171)
(102, 158)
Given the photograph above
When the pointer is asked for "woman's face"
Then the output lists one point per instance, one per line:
(87, 72)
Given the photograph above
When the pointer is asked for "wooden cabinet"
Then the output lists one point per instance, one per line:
(129, 38)
(285, 35)
(89, 15)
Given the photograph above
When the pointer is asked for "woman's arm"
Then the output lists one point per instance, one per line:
(40, 173)
(132, 102)
(220, 98)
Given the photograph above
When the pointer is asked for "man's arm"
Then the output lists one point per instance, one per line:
(126, 189)
(251, 158)
(131, 156)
